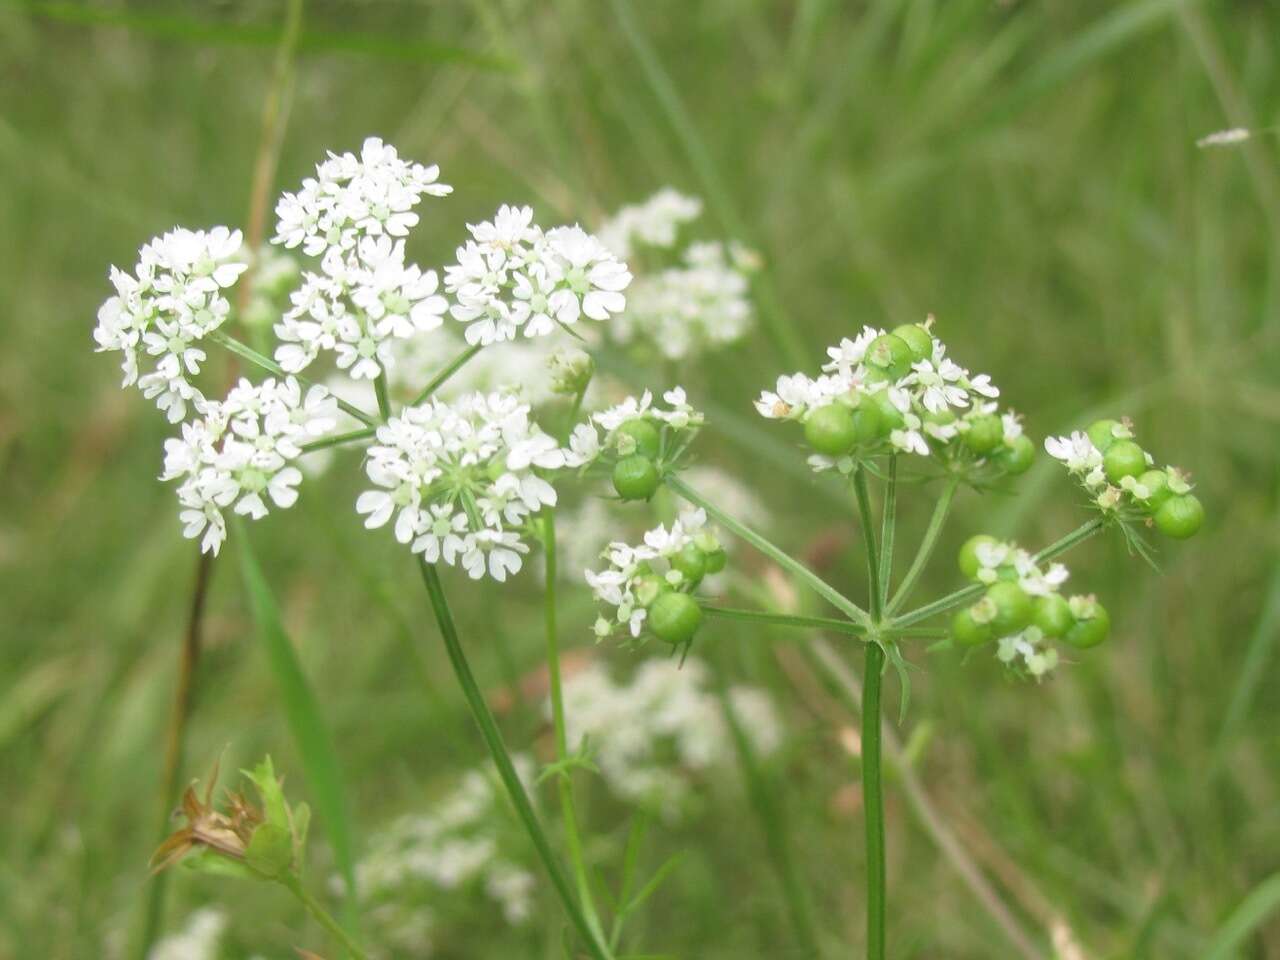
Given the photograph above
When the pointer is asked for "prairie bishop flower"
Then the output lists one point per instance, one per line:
(459, 481)
(161, 312)
(239, 454)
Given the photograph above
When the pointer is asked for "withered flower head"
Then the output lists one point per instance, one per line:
(226, 833)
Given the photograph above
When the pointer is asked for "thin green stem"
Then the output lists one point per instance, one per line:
(888, 529)
(783, 559)
(834, 624)
(502, 760)
(927, 543)
(456, 364)
(384, 398)
(323, 917)
(953, 600)
(872, 792)
(266, 363)
(338, 439)
(564, 783)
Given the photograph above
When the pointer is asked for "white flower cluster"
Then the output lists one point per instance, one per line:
(624, 584)
(1086, 461)
(600, 433)
(199, 939)
(461, 479)
(239, 453)
(459, 845)
(699, 303)
(160, 312)
(513, 278)
(910, 396)
(353, 216)
(651, 736)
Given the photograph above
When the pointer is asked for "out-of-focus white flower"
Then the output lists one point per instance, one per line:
(649, 735)
(239, 454)
(460, 480)
(199, 939)
(653, 223)
(161, 312)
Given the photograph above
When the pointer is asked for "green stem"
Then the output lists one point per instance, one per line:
(834, 624)
(872, 793)
(323, 917)
(927, 543)
(887, 530)
(784, 560)
(456, 364)
(568, 810)
(953, 600)
(338, 439)
(266, 363)
(502, 760)
(384, 398)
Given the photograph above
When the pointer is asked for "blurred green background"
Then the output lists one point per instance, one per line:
(1027, 171)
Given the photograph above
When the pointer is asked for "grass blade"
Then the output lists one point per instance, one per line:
(1262, 901)
(302, 710)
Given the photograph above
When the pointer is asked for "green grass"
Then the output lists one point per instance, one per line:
(1026, 171)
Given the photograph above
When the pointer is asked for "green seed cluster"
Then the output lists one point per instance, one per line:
(1022, 607)
(1162, 495)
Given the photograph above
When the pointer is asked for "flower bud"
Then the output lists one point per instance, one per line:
(675, 618)
(639, 436)
(635, 478)
(571, 370)
(1180, 517)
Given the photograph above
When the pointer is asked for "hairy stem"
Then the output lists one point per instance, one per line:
(502, 760)
(266, 363)
(783, 559)
(959, 597)
(564, 783)
(927, 543)
(872, 792)
(323, 917)
(456, 364)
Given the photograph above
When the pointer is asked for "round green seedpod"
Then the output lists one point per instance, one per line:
(1180, 517)
(675, 618)
(985, 433)
(968, 559)
(917, 338)
(1156, 483)
(1016, 458)
(1052, 614)
(1090, 631)
(831, 430)
(888, 416)
(646, 436)
(1124, 458)
(866, 421)
(635, 477)
(691, 562)
(649, 587)
(716, 560)
(968, 632)
(1101, 433)
(1013, 607)
(889, 354)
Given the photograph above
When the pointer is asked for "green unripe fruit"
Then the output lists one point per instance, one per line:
(1124, 458)
(941, 417)
(635, 478)
(866, 422)
(1013, 607)
(645, 434)
(831, 430)
(649, 587)
(1052, 614)
(1100, 434)
(691, 562)
(890, 354)
(890, 417)
(985, 433)
(968, 632)
(1017, 457)
(1092, 631)
(917, 338)
(968, 559)
(1180, 517)
(1157, 485)
(716, 560)
(675, 618)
